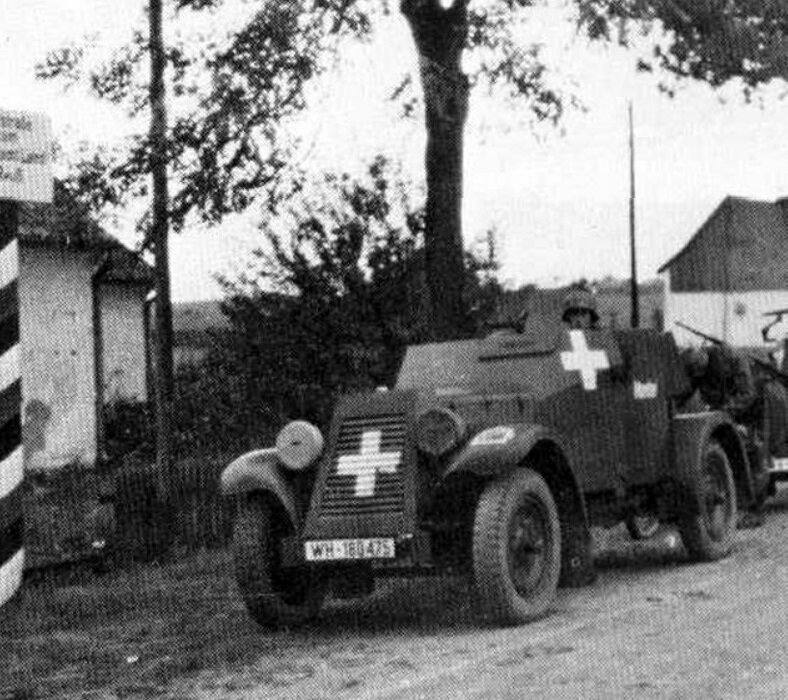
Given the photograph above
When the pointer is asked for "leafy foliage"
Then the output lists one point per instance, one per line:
(332, 302)
(714, 41)
(231, 97)
(327, 307)
(237, 95)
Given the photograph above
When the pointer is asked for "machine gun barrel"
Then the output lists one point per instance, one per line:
(700, 334)
(782, 377)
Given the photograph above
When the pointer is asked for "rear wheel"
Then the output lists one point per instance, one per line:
(274, 596)
(517, 547)
(708, 534)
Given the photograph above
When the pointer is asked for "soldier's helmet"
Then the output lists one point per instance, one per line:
(695, 361)
(579, 300)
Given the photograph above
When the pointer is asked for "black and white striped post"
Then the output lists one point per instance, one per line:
(25, 175)
(11, 462)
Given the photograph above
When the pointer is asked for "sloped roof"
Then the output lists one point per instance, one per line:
(66, 223)
(756, 221)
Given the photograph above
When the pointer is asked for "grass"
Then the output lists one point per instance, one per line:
(138, 628)
(63, 513)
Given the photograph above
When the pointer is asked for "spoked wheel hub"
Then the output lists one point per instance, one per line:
(717, 506)
(529, 533)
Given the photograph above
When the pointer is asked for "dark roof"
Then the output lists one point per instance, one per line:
(67, 223)
(755, 221)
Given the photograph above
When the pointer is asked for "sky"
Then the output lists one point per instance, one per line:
(558, 198)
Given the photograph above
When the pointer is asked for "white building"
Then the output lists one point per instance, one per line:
(732, 271)
(83, 331)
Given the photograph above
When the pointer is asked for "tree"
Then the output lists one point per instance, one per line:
(164, 377)
(714, 41)
(334, 298)
(226, 145)
(338, 294)
(227, 149)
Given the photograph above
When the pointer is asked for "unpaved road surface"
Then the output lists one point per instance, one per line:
(652, 626)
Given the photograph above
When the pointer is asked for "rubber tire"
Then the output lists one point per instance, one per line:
(642, 527)
(701, 544)
(257, 531)
(495, 511)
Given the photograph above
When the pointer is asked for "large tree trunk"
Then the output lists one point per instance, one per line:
(440, 36)
(159, 235)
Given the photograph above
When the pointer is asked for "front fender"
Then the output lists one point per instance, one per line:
(692, 431)
(500, 449)
(260, 470)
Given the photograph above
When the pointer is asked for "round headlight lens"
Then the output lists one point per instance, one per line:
(299, 444)
(439, 431)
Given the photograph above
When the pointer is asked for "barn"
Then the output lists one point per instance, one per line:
(83, 330)
(732, 270)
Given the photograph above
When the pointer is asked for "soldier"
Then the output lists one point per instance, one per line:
(724, 380)
(580, 310)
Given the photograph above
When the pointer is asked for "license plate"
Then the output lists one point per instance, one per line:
(342, 550)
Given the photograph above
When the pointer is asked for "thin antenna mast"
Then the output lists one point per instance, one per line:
(634, 294)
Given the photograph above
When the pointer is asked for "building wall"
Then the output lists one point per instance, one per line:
(58, 357)
(735, 317)
(123, 342)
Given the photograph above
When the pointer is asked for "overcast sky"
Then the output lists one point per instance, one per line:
(559, 200)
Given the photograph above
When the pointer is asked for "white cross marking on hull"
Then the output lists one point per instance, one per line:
(584, 360)
(368, 462)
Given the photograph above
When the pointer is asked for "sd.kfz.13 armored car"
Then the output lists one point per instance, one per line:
(492, 458)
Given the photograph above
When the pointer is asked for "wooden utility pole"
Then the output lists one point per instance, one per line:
(634, 293)
(165, 385)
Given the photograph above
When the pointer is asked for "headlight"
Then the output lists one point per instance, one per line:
(439, 431)
(299, 444)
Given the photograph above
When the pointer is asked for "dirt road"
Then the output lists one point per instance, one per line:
(652, 626)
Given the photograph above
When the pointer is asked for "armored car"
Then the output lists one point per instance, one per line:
(490, 458)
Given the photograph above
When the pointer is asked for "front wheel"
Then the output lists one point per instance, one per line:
(274, 596)
(516, 547)
(708, 533)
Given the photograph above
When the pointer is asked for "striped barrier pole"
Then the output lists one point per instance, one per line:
(12, 553)
(25, 176)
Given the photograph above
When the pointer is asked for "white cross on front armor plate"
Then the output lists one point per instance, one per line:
(368, 462)
(584, 360)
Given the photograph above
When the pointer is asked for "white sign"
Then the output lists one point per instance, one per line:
(368, 462)
(25, 157)
(584, 360)
(499, 435)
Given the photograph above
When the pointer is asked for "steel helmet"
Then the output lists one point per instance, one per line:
(695, 360)
(580, 299)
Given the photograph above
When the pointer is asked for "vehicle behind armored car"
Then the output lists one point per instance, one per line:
(491, 458)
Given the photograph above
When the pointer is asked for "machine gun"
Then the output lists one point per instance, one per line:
(769, 369)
